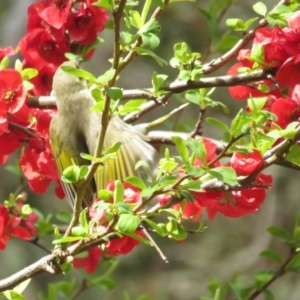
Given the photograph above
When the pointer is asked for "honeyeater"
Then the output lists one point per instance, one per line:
(75, 129)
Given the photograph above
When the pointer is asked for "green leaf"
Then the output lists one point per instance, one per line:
(147, 52)
(294, 264)
(118, 192)
(29, 73)
(108, 4)
(198, 147)
(256, 104)
(64, 217)
(83, 220)
(236, 24)
(4, 63)
(181, 148)
(280, 233)
(135, 19)
(128, 223)
(114, 93)
(106, 77)
(12, 295)
(20, 288)
(272, 255)
(158, 80)
(79, 73)
(68, 239)
(135, 181)
(159, 229)
(260, 8)
(224, 174)
(105, 195)
(218, 124)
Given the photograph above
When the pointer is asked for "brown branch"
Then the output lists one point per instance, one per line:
(280, 272)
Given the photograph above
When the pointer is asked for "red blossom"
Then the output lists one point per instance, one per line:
(122, 245)
(12, 91)
(246, 164)
(90, 262)
(39, 169)
(35, 20)
(43, 81)
(10, 227)
(40, 49)
(55, 13)
(84, 24)
(9, 143)
(286, 111)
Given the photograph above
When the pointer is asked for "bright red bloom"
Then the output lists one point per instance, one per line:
(10, 227)
(122, 245)
(39, 169)
(286, 111)
(90, 262)
(246, 164)
(35, 20)
(40, 49)
(236, 203)
(55, 13)
(12, 91)
(190, 210)
(43, 81)
(289, 73)
(242, 92)
(84, 24)
(9, 143)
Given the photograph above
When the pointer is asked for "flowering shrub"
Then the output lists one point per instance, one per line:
(205, 177)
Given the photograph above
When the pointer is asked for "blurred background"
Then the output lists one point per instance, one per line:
(229, 247)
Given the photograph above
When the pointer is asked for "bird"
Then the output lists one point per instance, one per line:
(75, 129)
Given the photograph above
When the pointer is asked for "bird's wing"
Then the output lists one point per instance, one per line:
(132, 150)
(64, 153)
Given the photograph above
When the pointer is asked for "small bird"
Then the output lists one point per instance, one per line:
(75, 129)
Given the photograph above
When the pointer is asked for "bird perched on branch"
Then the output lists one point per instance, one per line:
(75, 130)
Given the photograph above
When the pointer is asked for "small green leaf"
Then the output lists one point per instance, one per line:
(224, 174)
(159, 229)
(260, 8)
(280, 233)
(118, 192)
(272, 255)
(114, 93)
(79, 73)
(294, 264)
(218, 124)
(135, 181)
(181, 148)
(128, 223)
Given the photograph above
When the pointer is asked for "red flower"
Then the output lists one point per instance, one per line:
(9, 227)
(9, 143)
(122, 245)
(39, 169)
(246, 164)
(286, 111)
(242, 92)
(40, 49)
(55, 13)
(35, 20)
(12, 91)
(90, 262)
(84, 24)
(43, 81)
(190, 210)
